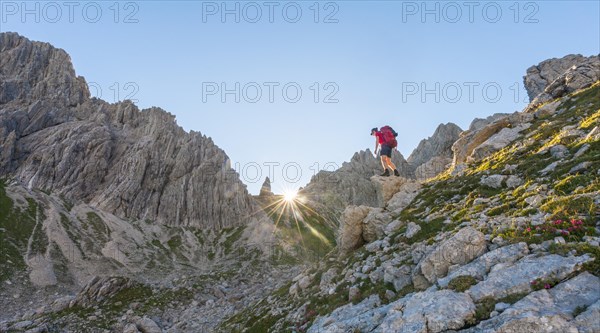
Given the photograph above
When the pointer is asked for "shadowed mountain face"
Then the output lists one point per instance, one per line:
(89, 188)
(135, 164)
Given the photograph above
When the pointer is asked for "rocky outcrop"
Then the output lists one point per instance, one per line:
(480, 142)
(350, 231)
(479, 123)
(265, 189)
(374, 224)
(351, 183)
(404, 196)
(98, 289)
(387, 187)
(135, 164)
(516, 278)
(549, 80)
(35, 71)
(435, 311)
(364, 316)
(430, 311)
(434, 154)
(449, 262)
(556, 77)
(481, 266)
(550, 310)
(460, 249)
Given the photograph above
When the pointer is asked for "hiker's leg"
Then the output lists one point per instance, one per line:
(386, 154)
(391, 164)
(384, 162)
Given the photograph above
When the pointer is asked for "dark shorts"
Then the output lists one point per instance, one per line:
(386, 150)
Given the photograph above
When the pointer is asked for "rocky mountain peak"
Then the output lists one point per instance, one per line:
(438, 144)
(133, 163)
(434, 154)
(35, 70)
(265, 189)
(557, 77)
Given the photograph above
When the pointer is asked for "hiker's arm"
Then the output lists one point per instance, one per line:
(376, 144)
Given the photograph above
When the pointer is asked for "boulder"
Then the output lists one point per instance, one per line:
(481, 266)
(548, 310)
(398, 276)
(147, 325)
(386, 187)
(363, 317)
(327, 279)
(493, 181)
(498, 141)
(412, 229)
(405, 194)
(484, 138)
(559, 151)
(589, 320)
(547, 109)
(516, 278)
(374, 224)
(428, 312)
(460, 249)
(514, 181)
(351, 228)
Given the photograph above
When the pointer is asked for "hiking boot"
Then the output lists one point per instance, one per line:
(396, 173)
(385, 173)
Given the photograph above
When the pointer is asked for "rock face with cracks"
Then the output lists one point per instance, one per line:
(135, 164)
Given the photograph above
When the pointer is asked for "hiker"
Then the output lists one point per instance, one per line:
(385, 139)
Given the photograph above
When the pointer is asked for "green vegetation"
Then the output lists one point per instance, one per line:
(581, 248)
(572, 230)
(428, 231)
(39, 241)
(16, 226)
(147, 299)
(579, 310)
(486, 305)
(570, 206)
(101, 231)
(232, 238)
(462, 283)
(158, 244)
(367, 288)
(175, 242)
(66, 224)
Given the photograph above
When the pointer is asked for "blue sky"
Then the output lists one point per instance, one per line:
(412, 65)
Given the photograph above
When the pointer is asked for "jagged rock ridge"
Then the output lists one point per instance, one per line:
(434, 154)
(351, 184)
(135, 164)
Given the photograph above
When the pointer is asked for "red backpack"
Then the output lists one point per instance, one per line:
(389, 136)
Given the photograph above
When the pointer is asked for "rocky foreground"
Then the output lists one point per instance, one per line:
(505, 240)
(114, 219)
